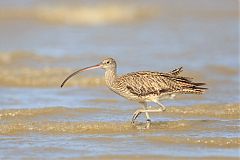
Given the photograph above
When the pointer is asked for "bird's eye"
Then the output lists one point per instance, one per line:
(108, 62)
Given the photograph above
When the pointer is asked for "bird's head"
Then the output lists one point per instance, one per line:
(107, 64)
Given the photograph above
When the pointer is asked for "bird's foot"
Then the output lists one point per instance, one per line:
(163, 109)
(142, 126)
(148, 123)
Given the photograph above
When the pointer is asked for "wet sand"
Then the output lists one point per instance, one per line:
(200, 126)
(51, 120)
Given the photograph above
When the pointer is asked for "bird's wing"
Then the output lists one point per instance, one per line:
(146, 83)
(155, 83)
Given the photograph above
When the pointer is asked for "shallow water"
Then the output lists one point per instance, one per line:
(42, 42)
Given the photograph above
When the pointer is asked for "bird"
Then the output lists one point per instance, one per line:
(145, 86)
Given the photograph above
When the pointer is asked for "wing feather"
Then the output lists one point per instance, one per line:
(176, 71)
(155, 83)
(145, 83)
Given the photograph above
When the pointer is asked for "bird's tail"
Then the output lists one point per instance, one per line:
(195, 88)
(185, 85)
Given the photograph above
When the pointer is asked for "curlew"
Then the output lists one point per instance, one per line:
(145, 86)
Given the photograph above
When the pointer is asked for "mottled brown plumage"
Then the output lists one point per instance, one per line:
(146, 86)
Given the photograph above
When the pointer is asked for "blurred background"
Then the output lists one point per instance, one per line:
(43, 41)
(140, 35)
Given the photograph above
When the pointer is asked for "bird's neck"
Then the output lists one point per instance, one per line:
(110, 76)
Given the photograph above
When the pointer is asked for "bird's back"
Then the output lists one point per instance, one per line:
(144, 84)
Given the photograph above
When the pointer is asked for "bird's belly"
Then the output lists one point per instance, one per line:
(149, 98)
(165, 97)
(152, 98)
(131, 96)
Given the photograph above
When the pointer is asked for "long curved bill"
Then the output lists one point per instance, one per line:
(78, 71)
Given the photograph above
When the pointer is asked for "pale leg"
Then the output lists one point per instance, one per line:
(147, 115)
(147, 111)
(137, 113)
(145, 108)
(163, 108)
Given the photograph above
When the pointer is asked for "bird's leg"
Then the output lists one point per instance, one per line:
(136, 114)
(146, 113)
(163, 108)
(139, 111)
